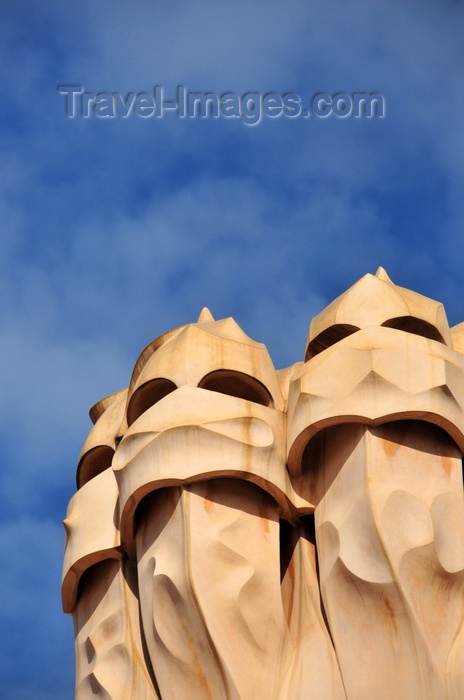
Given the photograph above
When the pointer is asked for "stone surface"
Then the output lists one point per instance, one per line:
(242, 533)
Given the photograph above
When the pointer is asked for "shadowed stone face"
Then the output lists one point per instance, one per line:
(241, 533)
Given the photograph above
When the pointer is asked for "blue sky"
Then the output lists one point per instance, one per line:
(114, 231)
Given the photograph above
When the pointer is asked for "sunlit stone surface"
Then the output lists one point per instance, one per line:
(245, 533)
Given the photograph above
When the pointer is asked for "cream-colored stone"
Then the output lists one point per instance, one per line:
(98, 450)
(199, 565)
(199, 350)
(92, 534)
(372, 376)
(389, 505)
(195, 434)
(375, 301)
(110, 659)
(457, 337)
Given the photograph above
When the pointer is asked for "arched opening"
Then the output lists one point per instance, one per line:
(417, 326)
(329, 337)
(234, 383)
(147, 395)
(94, 462)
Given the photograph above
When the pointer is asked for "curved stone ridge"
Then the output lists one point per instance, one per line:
(240, 532)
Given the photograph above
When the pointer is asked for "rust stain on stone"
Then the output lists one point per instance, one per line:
(208, 501)
(265, 523)
(207, 505)
(447, 464)
(390, 448)
(390, 611)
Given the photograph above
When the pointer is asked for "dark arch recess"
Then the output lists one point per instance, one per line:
(329, 337)
(147, 395)
(234, 383)
(93, 462)
(417, 326)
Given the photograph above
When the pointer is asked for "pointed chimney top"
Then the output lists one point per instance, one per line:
(206, 316)
(382, 275)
